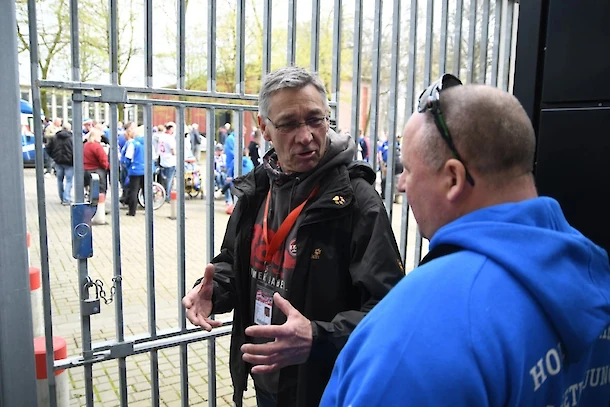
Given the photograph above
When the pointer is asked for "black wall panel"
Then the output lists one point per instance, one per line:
(563, 81)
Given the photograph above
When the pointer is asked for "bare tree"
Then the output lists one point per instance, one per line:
(53, 36)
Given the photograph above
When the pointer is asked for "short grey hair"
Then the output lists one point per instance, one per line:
(289, 77)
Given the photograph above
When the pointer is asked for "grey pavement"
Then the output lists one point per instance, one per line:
(65, 302)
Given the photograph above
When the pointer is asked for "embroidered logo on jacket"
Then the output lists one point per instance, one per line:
(316, 254)
(292, 248)
(339, 200)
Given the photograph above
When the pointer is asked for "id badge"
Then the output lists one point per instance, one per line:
(263, 305)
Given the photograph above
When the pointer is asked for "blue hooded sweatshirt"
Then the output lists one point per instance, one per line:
(518, 318)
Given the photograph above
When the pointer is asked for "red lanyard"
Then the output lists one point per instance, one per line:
(284, 228)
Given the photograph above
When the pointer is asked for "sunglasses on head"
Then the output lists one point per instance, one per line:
(430, 99)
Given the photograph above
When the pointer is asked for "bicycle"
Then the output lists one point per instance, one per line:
(158, 192)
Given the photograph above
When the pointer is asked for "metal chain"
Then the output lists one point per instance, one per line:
(99, 287)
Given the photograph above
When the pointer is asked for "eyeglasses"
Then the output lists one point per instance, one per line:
(287, 128)
(430, 99)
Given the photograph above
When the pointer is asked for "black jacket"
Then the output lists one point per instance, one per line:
(348, 260)
(60, 148)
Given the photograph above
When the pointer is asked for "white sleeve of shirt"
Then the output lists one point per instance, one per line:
(129, 151)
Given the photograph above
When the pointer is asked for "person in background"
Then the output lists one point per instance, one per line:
(220, 174)
(246, 162)
(88, 124)
(95, 159)
(130, 131)
(167, 156)
(256, 148)
(133, 159)
(222, 133)
(229, 145)
(53, 127)
(364, 149)
(196, 140)
(60, 148)
(297, 290)
(511, 306)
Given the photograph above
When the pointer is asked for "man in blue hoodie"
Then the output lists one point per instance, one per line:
(512, 305)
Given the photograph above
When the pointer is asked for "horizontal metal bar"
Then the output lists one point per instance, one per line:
(203, 105)
(134, 89)
(106, 353)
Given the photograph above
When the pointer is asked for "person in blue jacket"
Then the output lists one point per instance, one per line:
(133, 160)
(512, 305)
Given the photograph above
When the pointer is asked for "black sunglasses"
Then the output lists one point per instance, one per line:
(430, 99)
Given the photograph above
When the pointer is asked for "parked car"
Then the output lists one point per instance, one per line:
(27, 136)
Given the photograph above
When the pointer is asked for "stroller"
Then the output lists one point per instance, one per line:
(192, 178)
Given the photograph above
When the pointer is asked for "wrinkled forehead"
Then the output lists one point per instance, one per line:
(291, 103)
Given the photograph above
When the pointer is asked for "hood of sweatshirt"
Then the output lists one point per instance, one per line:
(562, 270)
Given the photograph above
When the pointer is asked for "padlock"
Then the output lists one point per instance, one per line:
(91, 306)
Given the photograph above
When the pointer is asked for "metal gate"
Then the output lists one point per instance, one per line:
(397, 48)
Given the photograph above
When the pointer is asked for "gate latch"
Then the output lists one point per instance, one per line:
(81, 215)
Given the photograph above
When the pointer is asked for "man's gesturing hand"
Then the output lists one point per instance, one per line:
(198, 302)
(292, 343)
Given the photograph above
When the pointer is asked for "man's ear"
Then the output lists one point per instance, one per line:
(454, 174)
(262, 125)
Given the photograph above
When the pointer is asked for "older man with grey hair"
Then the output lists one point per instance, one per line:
(308, 250)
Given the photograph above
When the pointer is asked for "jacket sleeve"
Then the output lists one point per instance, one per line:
(102, 157)
(223, 298)
(375, 268)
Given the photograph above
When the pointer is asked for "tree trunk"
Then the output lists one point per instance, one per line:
(44, 104)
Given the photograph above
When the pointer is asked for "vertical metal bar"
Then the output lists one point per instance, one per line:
(412, 63)
(375, 85)
(417, 254)
(411, 67)
(118, 301)
(40, 191)
(211, 130)
(495, 56)
(357, 62)
(472, 27)
(17, 373)
(508, 38)
(150, 255)
(315, 35)
(292, 32)
(443, 42)
(180, 218)
(209, 232)
(212, 47)
(267, 24)
(404, 229)
(336, 68)
(148, 178)
(79, 195)
(429, 43)
(513, 47)
(114, 42)
(181, 45)
(240, 69)
(181, 261)
(238, 147)
(393, 111)
(483, 43)
(457, 38)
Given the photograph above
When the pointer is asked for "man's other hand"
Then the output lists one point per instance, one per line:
(292, 343)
